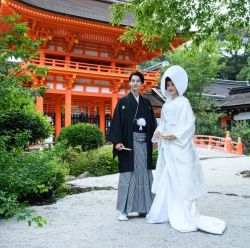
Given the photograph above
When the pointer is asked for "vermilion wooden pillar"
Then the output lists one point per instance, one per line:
(67, 60)
(58, 117)
(113, 65)
(102, 116)
(42, 58)
(114, 102)
(39, 104)
(68, 108)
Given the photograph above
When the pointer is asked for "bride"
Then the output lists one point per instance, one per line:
(179, 179)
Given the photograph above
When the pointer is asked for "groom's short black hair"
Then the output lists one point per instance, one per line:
(137, 73)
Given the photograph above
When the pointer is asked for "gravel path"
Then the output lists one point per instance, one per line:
(89, 220)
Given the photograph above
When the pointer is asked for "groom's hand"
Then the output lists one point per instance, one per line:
(119, 146)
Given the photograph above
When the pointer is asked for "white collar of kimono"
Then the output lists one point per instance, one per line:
(178, 76)
(136, 97)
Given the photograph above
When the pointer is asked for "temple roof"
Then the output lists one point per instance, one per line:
(97, 10)
(239, 90)
(236, 100)
(222, 87)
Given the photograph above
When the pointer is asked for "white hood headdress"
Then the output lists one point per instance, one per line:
(178, 76)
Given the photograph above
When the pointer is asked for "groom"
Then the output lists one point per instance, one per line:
(131, 131)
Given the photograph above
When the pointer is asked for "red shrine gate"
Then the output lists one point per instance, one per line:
(89, 67)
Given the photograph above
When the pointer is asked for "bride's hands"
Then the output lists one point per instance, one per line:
(157, 134)
(169, 137)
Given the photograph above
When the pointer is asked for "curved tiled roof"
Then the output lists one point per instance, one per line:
(222, 87)
(87, 9)
(236, 100)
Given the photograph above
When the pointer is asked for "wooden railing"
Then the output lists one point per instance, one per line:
(90, 68)
(218, 143)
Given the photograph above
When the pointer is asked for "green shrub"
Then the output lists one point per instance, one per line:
(102, 162)
(22, 174)
(86, 135)
(77, 160)
(9, 205)
(242, 129)
(34, 177)
(208, 123)
(29, 124)
(97, 161)
(154, 157)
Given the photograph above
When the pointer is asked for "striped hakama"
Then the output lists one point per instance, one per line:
(134, 187)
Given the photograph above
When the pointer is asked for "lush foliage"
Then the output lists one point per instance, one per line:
(244, 74)
(29, 177)
(16, 45)
(8, 204)
(235, 51)
(33, 125)
(160, 21)
(242, 129)
(32, 176)
(208, 123)
(24, 177)
(154, 157)
(18, 115)
(86, 135)
(97, 161)
(233, 66)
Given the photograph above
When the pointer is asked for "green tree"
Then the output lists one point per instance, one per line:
(15, 131)
(233, 66)
(242, 129)
(235, 51)
(160, 21)
(244, 74)
(15, 45)
(14, 98)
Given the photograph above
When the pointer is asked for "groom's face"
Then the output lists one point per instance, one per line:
(135, 83)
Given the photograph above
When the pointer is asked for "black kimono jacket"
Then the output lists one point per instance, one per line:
(121, 130)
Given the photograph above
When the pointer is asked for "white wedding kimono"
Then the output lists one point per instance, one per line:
(178, 179)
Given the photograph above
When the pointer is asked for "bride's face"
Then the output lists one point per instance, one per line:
(172, 89)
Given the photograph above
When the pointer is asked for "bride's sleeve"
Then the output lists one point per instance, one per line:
(186, 126)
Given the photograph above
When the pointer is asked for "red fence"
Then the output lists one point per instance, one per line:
(223, 144)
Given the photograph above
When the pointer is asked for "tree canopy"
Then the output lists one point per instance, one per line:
(202, 64)
(16, 45)
(18, 115)
(244, 74)
(160, 21)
